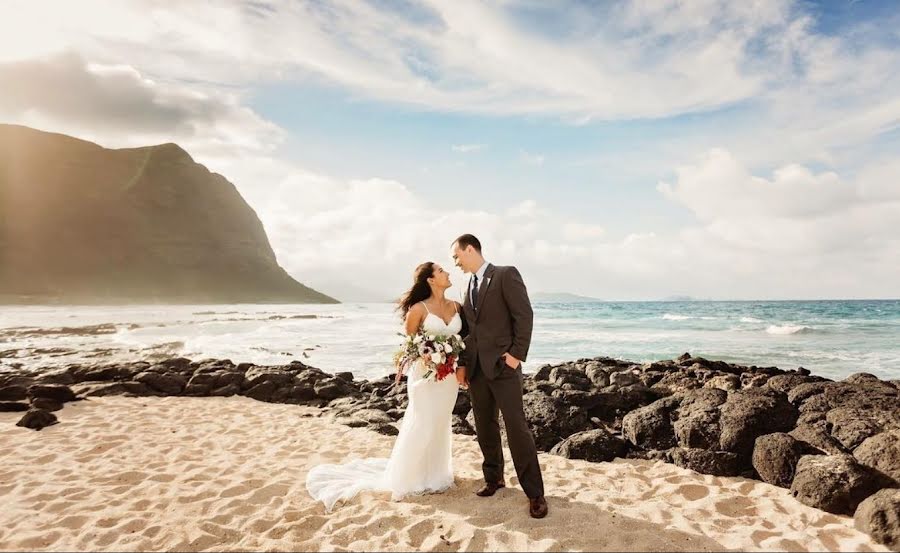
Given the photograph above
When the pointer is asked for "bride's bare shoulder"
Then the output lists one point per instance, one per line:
(418, 310)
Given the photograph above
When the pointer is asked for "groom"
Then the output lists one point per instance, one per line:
(499, 319)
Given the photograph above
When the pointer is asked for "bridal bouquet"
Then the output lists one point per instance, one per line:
(439, 354)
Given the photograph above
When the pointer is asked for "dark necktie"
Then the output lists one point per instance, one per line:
(475, 292)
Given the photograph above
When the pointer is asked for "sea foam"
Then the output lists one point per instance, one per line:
(789, 329)
(671, 317)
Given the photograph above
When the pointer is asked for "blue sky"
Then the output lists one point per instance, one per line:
(580, 172)
(626, 150)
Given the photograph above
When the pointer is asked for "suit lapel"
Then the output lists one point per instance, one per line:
(483, 289)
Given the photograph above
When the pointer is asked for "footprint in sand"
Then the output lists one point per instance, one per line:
(41, 541)
(692, 492)
(788, 545)
(217, 529)
(674, 479)
(736, 507)
(830, 541)
(416, 533)
(131, 526)
(106, 522)
(185, 499)
(131, 476)
(44, 459)
(746, 488)
(263, 525)
(58, 506)
(106, 538)
(825, 520)
(73, 522)
(643, 479)
(310, 522)
(277, 532)
(235, 491)
(79, 495)
(222, 519)
(267, 494)
(152, 531)
(140, 505)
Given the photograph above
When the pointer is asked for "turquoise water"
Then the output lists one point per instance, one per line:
(831, 338)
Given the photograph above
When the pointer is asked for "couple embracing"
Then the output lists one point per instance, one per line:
(495, 320)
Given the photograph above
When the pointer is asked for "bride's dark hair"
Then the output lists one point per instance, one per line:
(420, 290)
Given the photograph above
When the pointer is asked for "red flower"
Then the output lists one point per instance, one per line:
(446, 368)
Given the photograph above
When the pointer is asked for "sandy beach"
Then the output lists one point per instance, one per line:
(202, 474)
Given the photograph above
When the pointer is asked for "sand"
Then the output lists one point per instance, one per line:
(197, 474)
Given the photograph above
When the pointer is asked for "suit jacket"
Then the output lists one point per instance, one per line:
(502, 322)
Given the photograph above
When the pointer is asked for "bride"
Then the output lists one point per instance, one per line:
(421, 461)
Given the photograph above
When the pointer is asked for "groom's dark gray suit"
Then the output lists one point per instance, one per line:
(501, 322)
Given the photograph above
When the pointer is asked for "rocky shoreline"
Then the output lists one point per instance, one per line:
(835, 445)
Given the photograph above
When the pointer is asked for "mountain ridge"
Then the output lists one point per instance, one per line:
(80, 223)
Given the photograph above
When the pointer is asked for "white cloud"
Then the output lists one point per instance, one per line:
(463, 55)
(718, 186)
(526, 208)
(581, 231)
(795, 228)
(532, 159)
(151, 71)
(371, 233)
(468, 148)
(816, 95)
(117, 104)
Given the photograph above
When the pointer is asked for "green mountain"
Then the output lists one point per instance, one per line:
(80, 223)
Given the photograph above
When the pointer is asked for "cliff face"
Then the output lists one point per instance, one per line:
(82, 223)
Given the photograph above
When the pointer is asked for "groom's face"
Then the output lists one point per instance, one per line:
(463, 258)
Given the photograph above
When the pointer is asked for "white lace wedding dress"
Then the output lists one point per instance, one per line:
(421, 460)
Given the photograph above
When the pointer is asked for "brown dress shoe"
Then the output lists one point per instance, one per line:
(537, 507)
(490, 489)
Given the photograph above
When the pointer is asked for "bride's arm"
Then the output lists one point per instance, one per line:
(414, 318)
(464, 331)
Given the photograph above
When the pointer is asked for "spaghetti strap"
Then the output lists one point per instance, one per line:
(425, 306)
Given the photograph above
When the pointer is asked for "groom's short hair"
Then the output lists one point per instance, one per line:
(467, 240)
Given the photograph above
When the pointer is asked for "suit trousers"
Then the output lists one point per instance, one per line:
(503, 394)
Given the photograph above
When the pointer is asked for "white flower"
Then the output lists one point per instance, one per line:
(448, 348)
(462, 345)
(457, 337)
(436, 358)
(431, 337)
(417, 339)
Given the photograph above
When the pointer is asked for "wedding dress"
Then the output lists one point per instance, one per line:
(421, 460)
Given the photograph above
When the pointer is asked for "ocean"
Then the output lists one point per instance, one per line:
(830, 338)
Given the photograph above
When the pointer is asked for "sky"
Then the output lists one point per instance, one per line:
(619, 150)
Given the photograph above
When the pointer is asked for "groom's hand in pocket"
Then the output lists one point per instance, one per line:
(511, 361)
